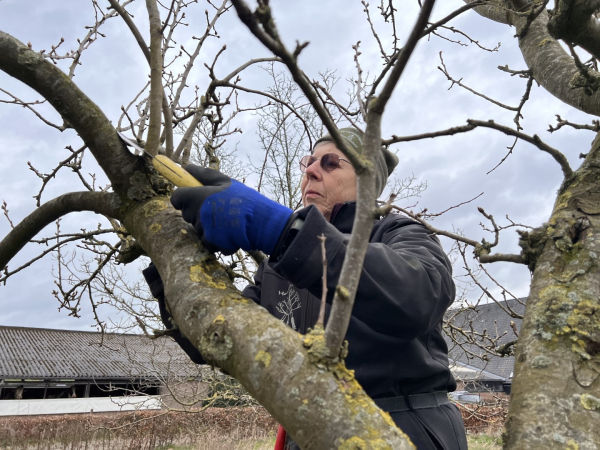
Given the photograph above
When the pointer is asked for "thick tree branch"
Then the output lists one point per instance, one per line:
(167, 114)
(132, 27)
(103, 203)
(22, 63)
(156, 89)
(574, 21)
(343, 301)
(562, 78)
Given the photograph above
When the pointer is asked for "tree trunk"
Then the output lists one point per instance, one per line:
(555, 400)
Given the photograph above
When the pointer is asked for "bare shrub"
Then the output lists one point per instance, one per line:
(141, 430)
(483, 419)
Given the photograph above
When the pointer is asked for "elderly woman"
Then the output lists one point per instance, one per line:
(395, 338)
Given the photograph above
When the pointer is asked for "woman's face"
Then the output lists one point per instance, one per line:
(324, 189)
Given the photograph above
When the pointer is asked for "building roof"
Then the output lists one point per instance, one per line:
(39, 353)
(485, 325)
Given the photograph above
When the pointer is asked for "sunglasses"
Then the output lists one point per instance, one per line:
(329, 162)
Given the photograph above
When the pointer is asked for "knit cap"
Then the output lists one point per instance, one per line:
(385, 161)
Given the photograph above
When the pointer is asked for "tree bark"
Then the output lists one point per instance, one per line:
(555, 399)
(496, 10)
(573, 21)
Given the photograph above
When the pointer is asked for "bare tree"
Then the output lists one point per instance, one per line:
(555, 394)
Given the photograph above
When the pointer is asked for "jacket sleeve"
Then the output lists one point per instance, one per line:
(406, 282)
(157, 288)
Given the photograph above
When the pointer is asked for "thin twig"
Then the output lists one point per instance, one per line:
(5, 209)
(510, 150)
(429, 30)
(17, 101)
(595, 127)
(444, 70)
(405, 54)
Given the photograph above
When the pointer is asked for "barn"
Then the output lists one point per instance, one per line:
(476, 335)
(46, 371)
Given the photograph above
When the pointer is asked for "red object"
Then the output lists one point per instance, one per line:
(280, 441)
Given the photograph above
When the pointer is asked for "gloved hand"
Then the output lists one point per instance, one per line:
(157, 288)
(228, 215)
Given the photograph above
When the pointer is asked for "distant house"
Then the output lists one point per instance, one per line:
(44, 371)
(474, 335)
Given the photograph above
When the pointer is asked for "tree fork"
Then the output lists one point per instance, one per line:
(562, 78)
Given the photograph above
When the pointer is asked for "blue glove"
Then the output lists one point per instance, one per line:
(228, 215)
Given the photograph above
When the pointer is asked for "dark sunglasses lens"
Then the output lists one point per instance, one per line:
(330, 162)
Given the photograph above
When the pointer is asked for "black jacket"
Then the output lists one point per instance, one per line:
(395, 336)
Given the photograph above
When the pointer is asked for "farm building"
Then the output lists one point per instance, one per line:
(493, 326)
(44, 371)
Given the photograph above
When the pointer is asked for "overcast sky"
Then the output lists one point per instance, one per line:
(113, 70)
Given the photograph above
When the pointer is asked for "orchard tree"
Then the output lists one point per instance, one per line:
(302, 380)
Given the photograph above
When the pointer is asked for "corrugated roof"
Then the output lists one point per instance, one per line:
(45, 353)
(489, 319)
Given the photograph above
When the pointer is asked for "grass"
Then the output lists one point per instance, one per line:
(215, 441)
(219, 442)
(484, 442)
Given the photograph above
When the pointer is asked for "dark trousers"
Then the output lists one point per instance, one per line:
(439, 428)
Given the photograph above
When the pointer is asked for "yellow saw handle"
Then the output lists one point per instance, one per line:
(173, 172)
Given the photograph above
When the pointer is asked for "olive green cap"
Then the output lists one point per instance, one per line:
(385, 162)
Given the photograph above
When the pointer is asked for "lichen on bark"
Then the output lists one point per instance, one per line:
(561, 330)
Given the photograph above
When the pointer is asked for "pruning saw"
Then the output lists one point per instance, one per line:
(165, 166)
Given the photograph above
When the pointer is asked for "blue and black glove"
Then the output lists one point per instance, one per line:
(228, 215)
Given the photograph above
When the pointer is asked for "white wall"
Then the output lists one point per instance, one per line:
(77, 405)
